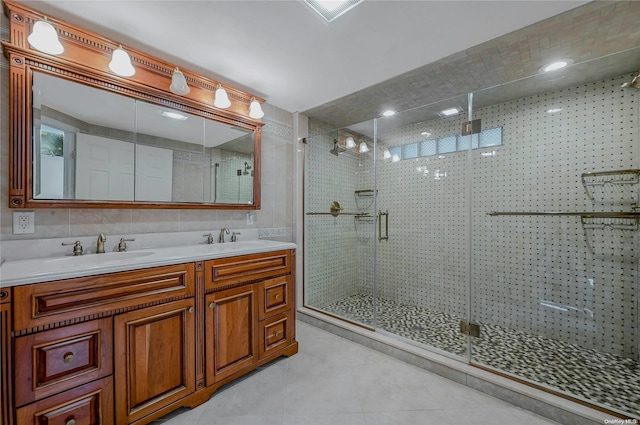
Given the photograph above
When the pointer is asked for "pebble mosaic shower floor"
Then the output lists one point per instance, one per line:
(606, 379)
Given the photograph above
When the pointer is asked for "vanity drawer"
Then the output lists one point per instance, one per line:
(274, 296)
(59, 301)
(245, 268)
(59, 359)
(90, 404)
(275, 333)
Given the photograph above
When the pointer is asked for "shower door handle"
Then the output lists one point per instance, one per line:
(386, 225)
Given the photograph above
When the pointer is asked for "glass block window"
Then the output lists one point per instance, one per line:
(491, 137)
(428, 147)
(447, 144)
(410, 151)
(463, 142)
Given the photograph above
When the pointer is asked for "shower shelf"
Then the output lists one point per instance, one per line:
(611, 177)
(584, 214)
(364, 193)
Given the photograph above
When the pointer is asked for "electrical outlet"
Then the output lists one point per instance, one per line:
(249, 218)
(24, 222)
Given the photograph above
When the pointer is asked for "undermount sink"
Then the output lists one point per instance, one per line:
(98, 258)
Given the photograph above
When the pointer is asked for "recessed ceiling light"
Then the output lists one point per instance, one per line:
(389, 113)
(554, 110)
(426, 134)
(553, 66)
(174, 115)
(330, 9)
(448, 112)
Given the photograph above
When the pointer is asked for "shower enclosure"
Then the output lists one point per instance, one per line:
(499, 228)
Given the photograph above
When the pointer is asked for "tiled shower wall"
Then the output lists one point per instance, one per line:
(333, 248)
(587, 273)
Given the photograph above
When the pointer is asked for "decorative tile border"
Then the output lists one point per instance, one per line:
(275, 232)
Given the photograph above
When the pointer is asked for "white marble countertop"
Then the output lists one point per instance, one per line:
(22, 272)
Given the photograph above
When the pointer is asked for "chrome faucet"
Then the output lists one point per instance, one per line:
(100, 246)
(222, 232)
(209, 237)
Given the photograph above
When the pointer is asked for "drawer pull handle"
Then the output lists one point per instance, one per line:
(212, 305)
(191, 309)
(71, 422)
(277, 296)
(68, 358)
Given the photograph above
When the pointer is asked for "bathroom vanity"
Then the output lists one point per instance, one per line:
(122, 340)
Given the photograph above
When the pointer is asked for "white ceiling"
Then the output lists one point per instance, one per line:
(282, 51)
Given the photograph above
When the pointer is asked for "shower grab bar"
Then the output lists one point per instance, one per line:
(339, 213)
(592, 214)
(386, 225)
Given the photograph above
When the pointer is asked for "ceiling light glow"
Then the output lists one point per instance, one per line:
(389, 113)
(174, 115)
(449, 112)
(555, 65)
(554, 110)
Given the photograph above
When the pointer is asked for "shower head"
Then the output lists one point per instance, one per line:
(633, 85)
(337, 150)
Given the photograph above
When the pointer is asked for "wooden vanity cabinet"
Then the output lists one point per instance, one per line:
(129, 347)
(154, 350)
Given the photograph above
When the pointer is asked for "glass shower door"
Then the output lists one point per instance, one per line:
(339, 222)
(554, 253)
(422, 273)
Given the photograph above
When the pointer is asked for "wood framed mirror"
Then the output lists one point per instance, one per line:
(84, 137)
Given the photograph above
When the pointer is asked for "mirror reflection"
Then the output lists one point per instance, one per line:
(90, 144)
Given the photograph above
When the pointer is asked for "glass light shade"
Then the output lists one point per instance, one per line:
(179, 83)
(45, 38)
(386, 154)
(121, 63)
(350, 143)
(363, 148)
(222, 98)
(255, 110)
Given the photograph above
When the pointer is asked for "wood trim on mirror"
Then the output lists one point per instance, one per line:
(85, 61)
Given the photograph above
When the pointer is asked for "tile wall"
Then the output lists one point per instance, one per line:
(549, 276)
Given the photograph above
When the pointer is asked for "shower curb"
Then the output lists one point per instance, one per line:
(550, 406)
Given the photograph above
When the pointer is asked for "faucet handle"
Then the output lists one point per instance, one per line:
(209, 237)
(234, 237)
(122, 246)
(77, 247)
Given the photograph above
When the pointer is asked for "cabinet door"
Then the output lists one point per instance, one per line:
(230, 341)
(154, 358)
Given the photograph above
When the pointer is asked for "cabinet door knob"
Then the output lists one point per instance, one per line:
(278, 333)
(71, 421)
(277, 296)
(212, 305)
(68, 358)
(191, 309)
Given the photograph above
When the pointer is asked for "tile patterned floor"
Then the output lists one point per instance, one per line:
(610, 380)
(333, 381)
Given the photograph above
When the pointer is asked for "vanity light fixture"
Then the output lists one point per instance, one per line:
(222, 99)
(350, 143)
(174, 115)
(255, 110)
(179, 84)
(45, 38)
(363, 148)
(121, 63)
